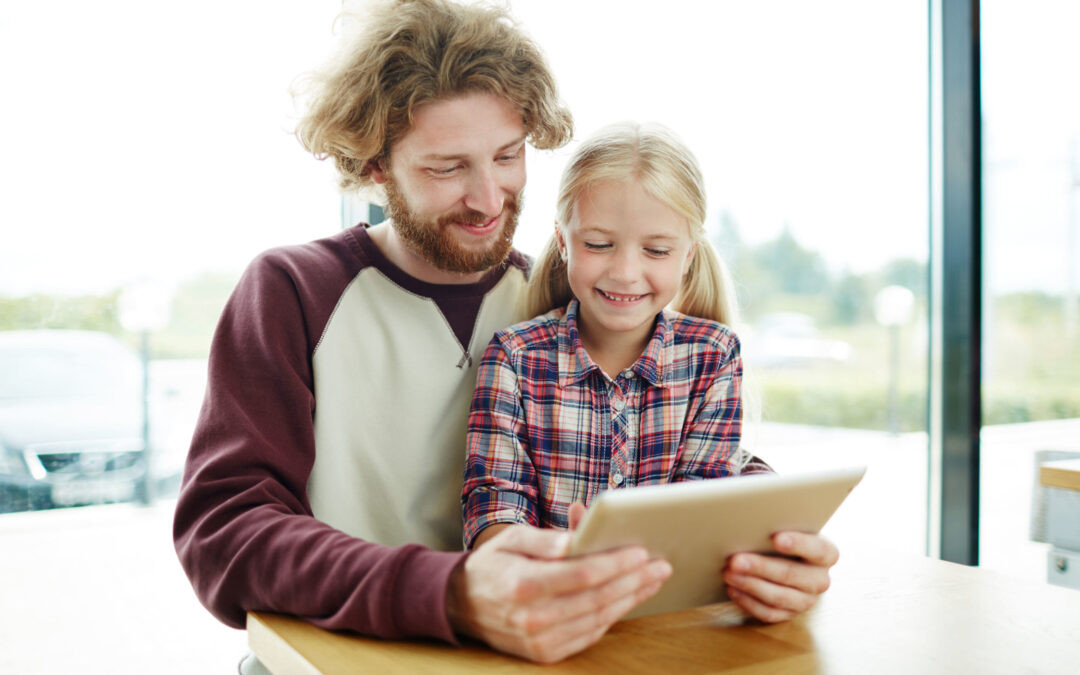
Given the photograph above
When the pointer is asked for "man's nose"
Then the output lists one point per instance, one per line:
(484, 194)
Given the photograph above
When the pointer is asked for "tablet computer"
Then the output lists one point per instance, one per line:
(697, 525)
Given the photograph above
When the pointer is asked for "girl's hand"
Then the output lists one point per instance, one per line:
(574, 515)
(778, 588)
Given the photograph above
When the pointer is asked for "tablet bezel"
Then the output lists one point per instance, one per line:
(697, 525)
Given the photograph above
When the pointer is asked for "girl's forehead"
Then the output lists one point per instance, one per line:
(622, 206)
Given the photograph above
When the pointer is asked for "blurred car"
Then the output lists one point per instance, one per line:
(71, 420)
(790, 340)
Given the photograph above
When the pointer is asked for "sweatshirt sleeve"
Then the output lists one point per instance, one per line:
(243, 527)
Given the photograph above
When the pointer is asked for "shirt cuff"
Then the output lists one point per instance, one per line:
(489, 507)
(419, 595)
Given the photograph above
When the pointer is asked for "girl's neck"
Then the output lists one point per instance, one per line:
(613, 352)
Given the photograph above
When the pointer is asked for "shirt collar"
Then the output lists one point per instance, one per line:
(575, 364)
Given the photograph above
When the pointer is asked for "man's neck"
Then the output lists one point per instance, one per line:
(397, 252)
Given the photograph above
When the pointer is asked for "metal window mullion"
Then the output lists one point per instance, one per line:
(959, 283)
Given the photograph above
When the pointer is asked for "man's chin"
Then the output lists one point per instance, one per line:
(472, 259)
(448, 245)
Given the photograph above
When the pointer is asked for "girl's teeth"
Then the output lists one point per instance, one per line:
(620, 298)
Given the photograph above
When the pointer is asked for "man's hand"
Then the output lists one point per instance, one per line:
(520, 595)
(775, 589)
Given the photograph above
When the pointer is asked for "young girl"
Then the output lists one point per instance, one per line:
(609, 388)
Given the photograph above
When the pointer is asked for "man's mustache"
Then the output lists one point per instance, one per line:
(471, 217)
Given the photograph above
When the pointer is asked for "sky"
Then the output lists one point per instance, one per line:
(152, 142)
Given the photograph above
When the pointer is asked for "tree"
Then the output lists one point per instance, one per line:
(798, 270)
(851, 300)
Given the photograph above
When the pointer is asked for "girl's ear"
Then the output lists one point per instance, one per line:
(560, 241)
(689, 258)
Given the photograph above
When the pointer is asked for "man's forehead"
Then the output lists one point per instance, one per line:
(462, 126)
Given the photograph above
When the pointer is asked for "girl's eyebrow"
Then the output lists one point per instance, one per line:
(596, 229)
(659, 236)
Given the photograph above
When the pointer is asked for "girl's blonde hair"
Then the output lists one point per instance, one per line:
(660, 162)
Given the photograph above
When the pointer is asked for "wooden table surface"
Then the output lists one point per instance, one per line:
(885, 613)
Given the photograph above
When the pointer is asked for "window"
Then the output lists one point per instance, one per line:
(1031, 207)
(146, 158)
(814, 146)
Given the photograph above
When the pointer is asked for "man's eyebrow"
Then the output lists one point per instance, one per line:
(513, 143)
(435, 157)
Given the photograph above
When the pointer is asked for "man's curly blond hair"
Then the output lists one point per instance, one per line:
(414, 52)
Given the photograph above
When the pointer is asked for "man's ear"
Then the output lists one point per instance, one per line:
(377, 170)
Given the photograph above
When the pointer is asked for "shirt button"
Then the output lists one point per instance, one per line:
(617, 404)
(617, 478)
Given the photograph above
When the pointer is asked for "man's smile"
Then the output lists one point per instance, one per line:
(480, 228)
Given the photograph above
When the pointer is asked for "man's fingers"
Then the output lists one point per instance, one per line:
(558, 575)
(576, 575)
(563, 629)
(623, 592)
(518, 594)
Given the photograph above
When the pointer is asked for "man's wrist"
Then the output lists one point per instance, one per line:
(457, 602)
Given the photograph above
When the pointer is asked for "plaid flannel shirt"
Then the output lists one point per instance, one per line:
(548, 427)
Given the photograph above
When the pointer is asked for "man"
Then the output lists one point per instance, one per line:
(325, 470)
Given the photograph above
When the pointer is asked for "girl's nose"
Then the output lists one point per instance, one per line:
(624, 266)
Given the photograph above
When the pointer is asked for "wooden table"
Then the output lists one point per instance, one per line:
(885, 613)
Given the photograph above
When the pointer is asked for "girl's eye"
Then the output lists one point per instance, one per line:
(658, 252)
(596, 246)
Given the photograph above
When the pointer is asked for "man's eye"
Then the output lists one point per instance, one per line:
(510, 156)
(596, 246)
(445, 171)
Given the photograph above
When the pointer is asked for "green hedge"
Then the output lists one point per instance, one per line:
(1005, 404)
(857, 406)
(852, 406)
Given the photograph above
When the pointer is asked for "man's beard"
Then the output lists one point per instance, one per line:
(433, 241)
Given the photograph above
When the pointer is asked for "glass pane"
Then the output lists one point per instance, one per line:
(146, 158)
(1031, 350)
(814, 149)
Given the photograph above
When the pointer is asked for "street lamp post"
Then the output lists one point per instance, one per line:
(1070, 241)
(145, 307)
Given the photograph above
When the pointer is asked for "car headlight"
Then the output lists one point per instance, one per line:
(12, 462)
